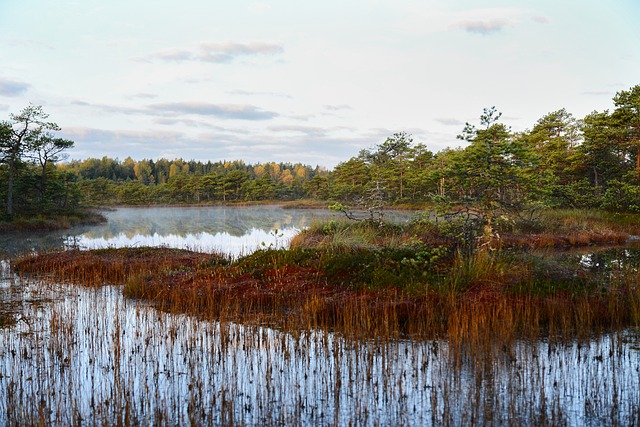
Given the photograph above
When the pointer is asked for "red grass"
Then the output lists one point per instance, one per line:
(302, 297)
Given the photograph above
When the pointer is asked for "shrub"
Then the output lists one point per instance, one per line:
(621, 196)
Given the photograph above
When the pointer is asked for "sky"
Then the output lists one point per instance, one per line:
(305, 81)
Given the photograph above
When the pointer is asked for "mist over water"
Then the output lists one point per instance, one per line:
(231, 231)
(228, 230)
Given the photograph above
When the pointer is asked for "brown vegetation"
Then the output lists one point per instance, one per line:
(462, 299)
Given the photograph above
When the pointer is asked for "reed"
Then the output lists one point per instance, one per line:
(484, 297)
(467, 351)
(398, 329)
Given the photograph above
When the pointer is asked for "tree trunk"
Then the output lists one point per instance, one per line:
(43, 181)
(10, 189)
(638, 164)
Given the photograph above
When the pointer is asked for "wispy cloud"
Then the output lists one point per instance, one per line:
(447, 121)
(172, 55)
(28, 43)
(223, 111)
(12, 88)
(107, 108)
(541, 19)
(597, 93)
(489, 21)
(227, 111)
(216, 52)
(226, 52)
(143, 95)
(190, 123)
(121, 142)
(337, 107)
(300, 130)
(258, 93)
(259, 7)
(484, 27)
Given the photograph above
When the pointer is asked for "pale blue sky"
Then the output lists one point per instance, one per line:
(302, 81)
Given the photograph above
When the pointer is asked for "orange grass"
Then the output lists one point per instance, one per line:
(487, 311)
(111, 266)
(551, 240)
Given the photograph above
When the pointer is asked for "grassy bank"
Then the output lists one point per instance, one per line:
(54, 222)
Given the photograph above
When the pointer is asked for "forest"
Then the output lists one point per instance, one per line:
(561, 162)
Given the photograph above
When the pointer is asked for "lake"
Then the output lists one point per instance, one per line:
(72, 355)
(231, 231)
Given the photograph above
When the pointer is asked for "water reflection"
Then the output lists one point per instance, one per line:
(604, 264)
(69, 363)
(231, 230)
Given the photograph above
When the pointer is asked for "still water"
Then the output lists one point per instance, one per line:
(71, 355)
(227, 230)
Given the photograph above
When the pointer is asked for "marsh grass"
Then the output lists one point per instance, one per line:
(353, 324)
(139, 366)
(99, 358)
(561, 220)
(364, 293)
(113, 266)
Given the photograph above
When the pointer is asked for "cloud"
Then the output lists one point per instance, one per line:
(337, 107)
(259, 7)
(541, 19)
(12, 88)
(143, 95)
(256, 93)
(111, 109)
(226, 111)
(216, 52)
(597, 93)
(163, 110)
(313, 131)
(92, 142)
(172, 55)
(92, 135)
(226, 52)
(28, 43)
(193, 124)
(484, 27)
(449, 121)
(488, 21)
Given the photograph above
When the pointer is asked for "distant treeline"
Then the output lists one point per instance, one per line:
(561, 161)
(111, 181)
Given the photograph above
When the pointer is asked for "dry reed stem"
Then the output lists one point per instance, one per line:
(297, 298)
